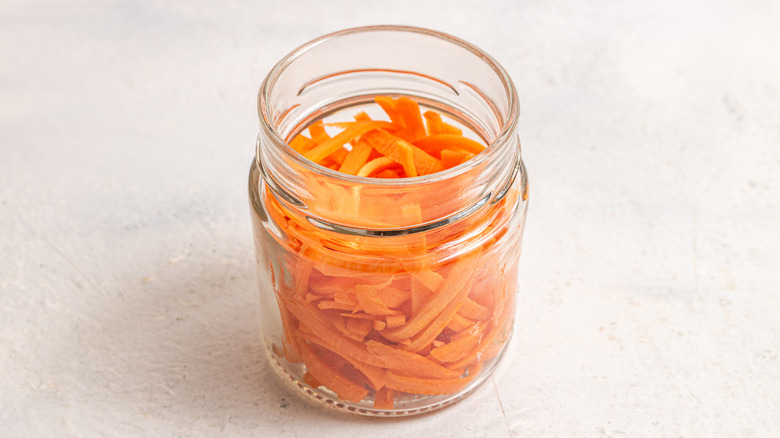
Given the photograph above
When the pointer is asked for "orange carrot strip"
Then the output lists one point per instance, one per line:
(356, 158)
(327, 147)
(338, 156)
(432, 122)
(301, 144)
(450, 158)
(446, 128)
(409, 364)
(396, 148)
(426, 336)
(458, 348)
(351, 350)
(343, 387)
(459, 323)
(327, 305)
(452, 286)
(379, 325)
(388, 173)
(394, 321)
(473, 310)
(360, 315)
(317, 132)
(373, 305)
(362, 117)
(415, 385)
(311, 380)
(430, 279)
(437, 126)
(392, 297)
(434, 144)
(388, 105)
(383, 399)
(490, 344)
(360, 327)
(375, 374)
(409, 111)
(375, 165)
(419, 295)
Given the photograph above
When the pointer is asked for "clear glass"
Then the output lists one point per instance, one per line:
(443, 248)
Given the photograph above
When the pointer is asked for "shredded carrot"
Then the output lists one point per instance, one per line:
(376, 165)
(407, 322)
(418, 385)
(345, 388)
(383, 399)
(437, 126)
(409, 364)
(434, 144)
(356, 158)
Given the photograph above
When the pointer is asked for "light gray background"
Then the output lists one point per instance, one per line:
(649, 289)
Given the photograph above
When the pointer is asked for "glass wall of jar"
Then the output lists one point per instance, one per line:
(387, 296)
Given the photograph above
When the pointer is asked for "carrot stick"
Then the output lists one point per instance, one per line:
(398, 149)
(426, 336)
(317, 132)
(376, 165)
(356, 158)
(383, 399)
(394, 148)
(409, 364)
(450, 158)
(434, 144)
(459, 323)
(456, 349)
(394, 321)
(353, 351)
(474, 310)
(311, 380)
(437, 126)
(301, 144)
(388, 173)
(324, 373)
(409, 111)
(452, 286)
(329, 146)
(416, 385)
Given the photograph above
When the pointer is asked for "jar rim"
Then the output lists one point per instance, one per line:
(508, 125)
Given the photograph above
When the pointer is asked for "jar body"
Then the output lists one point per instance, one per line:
(386, 298)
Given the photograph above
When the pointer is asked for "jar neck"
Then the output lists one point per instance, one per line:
(344, 69)
(377, 207)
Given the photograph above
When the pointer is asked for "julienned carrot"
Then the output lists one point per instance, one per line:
(344, 388)
(356, 158)
(436, 125)
(383, 399)
(409, 364)
(401, 320)
(435, 144)
(376, 165)
(394, 148)
(331, 145)
(418, 385)
(444, 295)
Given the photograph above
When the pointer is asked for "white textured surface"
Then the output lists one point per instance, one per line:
(649, 303)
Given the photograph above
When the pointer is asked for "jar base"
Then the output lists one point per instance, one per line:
(409, 405)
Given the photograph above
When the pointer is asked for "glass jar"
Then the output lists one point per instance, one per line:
(439, 251)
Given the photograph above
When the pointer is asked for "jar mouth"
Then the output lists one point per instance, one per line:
(508, 124)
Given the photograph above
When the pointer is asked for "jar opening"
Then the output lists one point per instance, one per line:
(353, 66)
(271, 117)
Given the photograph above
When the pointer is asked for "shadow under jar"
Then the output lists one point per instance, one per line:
(440, 252)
